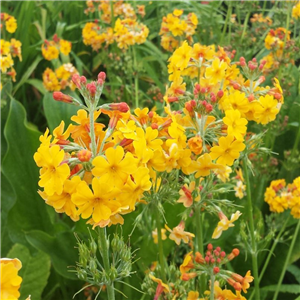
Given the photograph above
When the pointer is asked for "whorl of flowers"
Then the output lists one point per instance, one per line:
(120, 9)
(59, 79)
(126, 33)
(9, 49)
(175, 27)
(280, 196)
(51, 49)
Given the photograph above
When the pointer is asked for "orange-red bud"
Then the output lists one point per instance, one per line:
(59, 96)
(84, 155)
(122, 106)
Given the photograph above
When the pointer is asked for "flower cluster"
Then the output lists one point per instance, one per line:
(296, 11)
(126, 30)
(51, 49)
(280, 196)
(120, 9)
(59, 79)
(176, 27)
(9, 49)
(10, 280)
(281, 47)
(213, 265)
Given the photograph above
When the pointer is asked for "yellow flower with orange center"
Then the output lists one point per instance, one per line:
(178, 234)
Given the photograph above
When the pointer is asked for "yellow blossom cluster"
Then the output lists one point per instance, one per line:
(120, 9)
(60, 78)
(275, 41)
(9, 21)
(176, 27)
(259, 18)
(9, 49)
(296, 10)
(126, 32)
(280, 196)
(51, 49)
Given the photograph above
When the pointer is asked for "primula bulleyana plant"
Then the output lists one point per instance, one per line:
(99, 173)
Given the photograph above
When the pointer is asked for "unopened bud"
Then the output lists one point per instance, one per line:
(220, 94)
(122, 107)
(251, 97)
(102, 76)
(76, 80)
(172, 99)
(59, 96)
(216, 270)
(84, 155)
(92, 88)
(83, 79)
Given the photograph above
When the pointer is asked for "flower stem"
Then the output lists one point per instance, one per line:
(199, 246)
(287, 260)
(92, 131)
(273, 248)
(104, 251)
(251, 223)
(212, 286)
(228, 16)
(160, 244)
(245, 25)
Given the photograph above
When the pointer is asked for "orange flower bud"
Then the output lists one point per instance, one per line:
(84, 155)
(59, 96)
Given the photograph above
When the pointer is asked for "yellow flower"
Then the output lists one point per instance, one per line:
(114, 167)
(203, 166)
(97, 203)
(178, 234)
(186, 195)
(195, 144)
(181, 56)
(239, 189)
(193, 295)
(296, 11)
(11, 24)
(161, 288)
(163, 235)
(50, 52)
(267, 110)
(216, 73)
(62, 203)
(223, 173)
(187, 263)
(65, 47)
(10, 281)
(53, 173)
(236, 125)
(224, 223)
(227, 151)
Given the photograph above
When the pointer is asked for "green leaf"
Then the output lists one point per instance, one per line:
(27, 73)
(295, 271)
(56, 111)
(19, 168)
(284, 288)
(61, 249)
(38, 84)
(34, 272)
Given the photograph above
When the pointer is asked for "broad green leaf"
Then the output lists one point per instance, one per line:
(34, 272)
(38, 84)
(18, 166)
(61, 249)
(56, 111)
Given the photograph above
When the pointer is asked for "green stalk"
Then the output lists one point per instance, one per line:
(136, 79)
(287, 260)
(212, 286)
(92, 131)
(104, 251)
(251, 223)
(160, 245)
(199, 245)
(273, 248)
(245, 26)
(226, 23)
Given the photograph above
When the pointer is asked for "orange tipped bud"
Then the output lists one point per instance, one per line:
(235, 252)
(188, 276)
(199, 258)
(59, 96)
(84, 155)
(122, 106)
